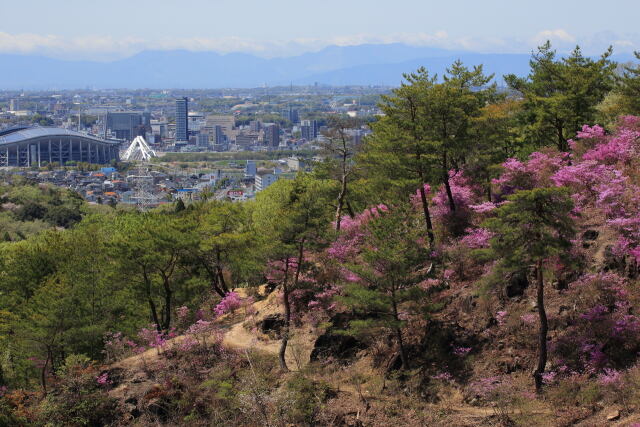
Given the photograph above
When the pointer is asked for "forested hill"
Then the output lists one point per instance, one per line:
(473, 262)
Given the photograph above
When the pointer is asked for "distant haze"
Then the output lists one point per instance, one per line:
(357, 65)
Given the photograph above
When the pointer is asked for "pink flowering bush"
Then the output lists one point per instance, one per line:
(602, 179)
(501, 317)
(461, 351)
(465, 194)
(230, 303)
(202, 332)
(535, 172)
(103, 379)
(477, 238)
(352, 234)
(184, 317)
(117, 346)
(154, 338)
(604, 332)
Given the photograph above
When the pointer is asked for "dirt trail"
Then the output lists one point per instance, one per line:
(236, 336)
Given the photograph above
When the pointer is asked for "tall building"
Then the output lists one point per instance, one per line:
(202, 140)
(290, 114)
(251, 168)
(218, 135)
(272, 135)
(182, 119)
(127, 124)
(309, 129)
(228, 124)
(14, 105)
(255, 126)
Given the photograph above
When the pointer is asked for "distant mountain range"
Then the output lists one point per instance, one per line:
(179, 69)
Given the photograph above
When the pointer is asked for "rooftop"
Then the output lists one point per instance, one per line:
(20, 134)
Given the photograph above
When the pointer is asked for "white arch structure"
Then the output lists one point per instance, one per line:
(139, 150)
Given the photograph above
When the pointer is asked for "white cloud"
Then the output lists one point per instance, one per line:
(558, 36)
(107, 48)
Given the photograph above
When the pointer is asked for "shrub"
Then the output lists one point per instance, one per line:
(78, 399)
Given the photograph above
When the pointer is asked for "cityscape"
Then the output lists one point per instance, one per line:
(331, 214)
(50, 132)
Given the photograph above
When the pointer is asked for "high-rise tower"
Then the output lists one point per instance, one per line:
(182, 121)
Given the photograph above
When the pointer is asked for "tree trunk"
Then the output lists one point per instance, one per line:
(427, 215)
(403, 353)
(398, 332)
(152, 304)
(154, 314)
(447, 185)
(287, 318)
(43, 372)
(213, 277)
(167, 307)
(352, 214)
(223, 283)
(562, 142)
(221, 280)
(287, 307)
(544, 327)
(341, 196)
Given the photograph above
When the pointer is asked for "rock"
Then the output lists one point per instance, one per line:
(516, 284)
(615, 415)
(334, 345)
(271, 325)
(590, 235)
(139, 377)
(612, 262)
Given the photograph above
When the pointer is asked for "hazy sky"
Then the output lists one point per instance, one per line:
(115, 28)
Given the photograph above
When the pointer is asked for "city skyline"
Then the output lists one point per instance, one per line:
(102, 31)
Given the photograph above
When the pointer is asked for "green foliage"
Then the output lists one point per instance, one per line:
(533, 226)
(242, 155)
(561, 94)
(427, 128)
(629, 88)
(78, 400)
(291, 212)
(149, 249)
(308, 397)
(390, 268)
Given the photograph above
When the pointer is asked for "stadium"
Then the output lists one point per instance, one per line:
(38, 146)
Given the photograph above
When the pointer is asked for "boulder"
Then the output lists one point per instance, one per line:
(612, 416)
(517, 283)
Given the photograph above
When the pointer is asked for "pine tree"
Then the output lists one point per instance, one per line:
(387, 270)
(533, 226)
(561, 94)
(629, 86)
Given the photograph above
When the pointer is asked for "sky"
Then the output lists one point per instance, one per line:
(112, 29)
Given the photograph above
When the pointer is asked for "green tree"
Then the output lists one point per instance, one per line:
(426, 131)
(339, 164)
(226, 243)
(561, 94)
(291, 217)
(391, 264)
(629, 87)
(532, 227)
(179, 205)
(449, 110)
(149, 250)
(495, 133)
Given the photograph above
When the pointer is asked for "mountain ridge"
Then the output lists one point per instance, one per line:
(367, 64)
